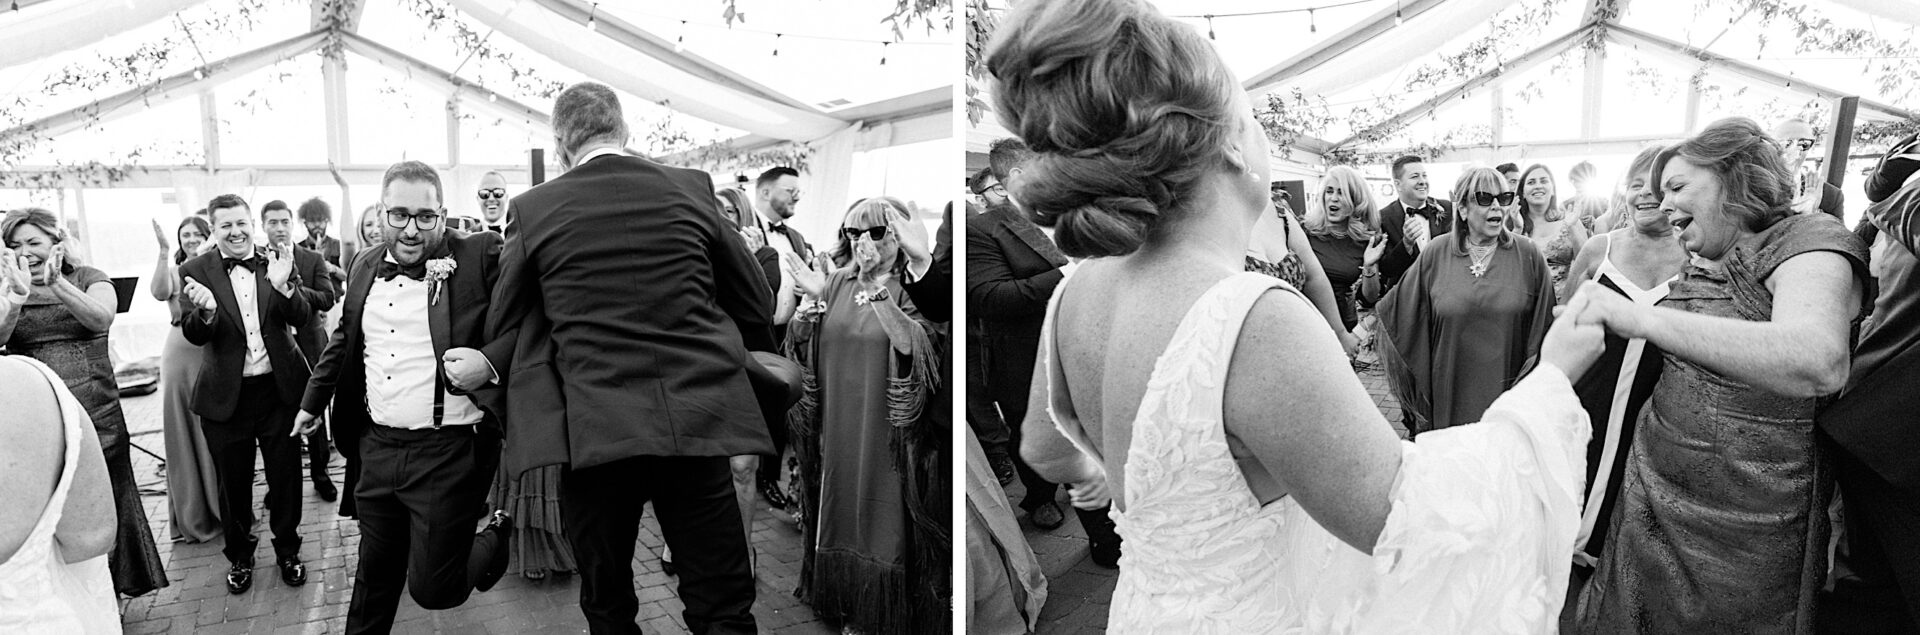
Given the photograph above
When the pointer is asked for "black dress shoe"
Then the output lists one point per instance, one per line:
(1047, 516)
(502, 528)
(1106, 555)
(292, 572)
(771, 490)
(326, 490)
(239, 578)
(666, 562)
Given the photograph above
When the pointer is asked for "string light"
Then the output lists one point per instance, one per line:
(1312, 27)
(776, 45)
(1210, 27)
(1397, 20)
(883, 52)
(199, 74)
(590, 15)
(680, 43)
(493, 97)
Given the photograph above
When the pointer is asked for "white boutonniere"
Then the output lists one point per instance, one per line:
(437, 271)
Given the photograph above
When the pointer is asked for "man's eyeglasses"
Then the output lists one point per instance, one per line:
(424, 220)
(792, 192)
(1803, 144)
(853, 233)
(1484, 199)
(998, 189)
(493, 193)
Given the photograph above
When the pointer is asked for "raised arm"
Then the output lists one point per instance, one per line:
(1802, 351)
(162, 285)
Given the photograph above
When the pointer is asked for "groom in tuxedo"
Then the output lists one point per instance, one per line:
(411, 379)
(635, 316)
(242, 307)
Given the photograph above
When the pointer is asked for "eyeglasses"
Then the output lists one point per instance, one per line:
(1803, 144)
(1484, 199)
(853, 233)
(425, 219)
(792, 192)
(493, 193)
(998, 189)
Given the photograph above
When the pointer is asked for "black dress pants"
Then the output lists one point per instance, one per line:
(1882, 594)
(693, 499)
(421, 494)
(312, 340)
(259, 418)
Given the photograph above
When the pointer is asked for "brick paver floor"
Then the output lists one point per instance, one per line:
(197, 601)
(1079, 592)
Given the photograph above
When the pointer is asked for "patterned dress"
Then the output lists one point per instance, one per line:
(1722, 521)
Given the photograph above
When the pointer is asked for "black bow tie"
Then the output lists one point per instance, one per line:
(389, 269)
(253, 263)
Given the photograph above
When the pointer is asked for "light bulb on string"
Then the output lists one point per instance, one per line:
(493, 97)
(776, 44)
(1312, 26)
(680, 43)
(1209, 18)
(1397, 20)
(199, 74)
(883, 52)
(590, 15)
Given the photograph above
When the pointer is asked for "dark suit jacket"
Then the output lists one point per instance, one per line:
(1012, 269)
(651, 301)
(1393, 221)
(223, 334)
(1873, 418)
(316, 283)
(933, 292)
(456, 320)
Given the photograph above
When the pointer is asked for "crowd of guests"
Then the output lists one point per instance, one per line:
(1753, 353)
(513, 398)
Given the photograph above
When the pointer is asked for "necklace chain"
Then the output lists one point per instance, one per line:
(1481, 256)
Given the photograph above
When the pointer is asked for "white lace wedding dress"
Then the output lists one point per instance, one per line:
(1479, 539)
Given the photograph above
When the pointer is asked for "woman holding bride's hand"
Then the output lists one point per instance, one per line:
(1257, 486)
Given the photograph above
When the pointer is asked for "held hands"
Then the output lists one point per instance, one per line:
(306, 423)
(466, 369)
(199, 294)
(1375, 249)
(279, 267)
(810, 280)
(1607, 309)
(1576, 339)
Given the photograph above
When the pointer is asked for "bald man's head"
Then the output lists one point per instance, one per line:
(1796, 138)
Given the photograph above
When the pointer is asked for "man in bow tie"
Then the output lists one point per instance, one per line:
(276, 220)
(242, 305)
(415, 398)
(776, 193)
(1409, 221)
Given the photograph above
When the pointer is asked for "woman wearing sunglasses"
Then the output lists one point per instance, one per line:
(1473, 315)
(873, 552)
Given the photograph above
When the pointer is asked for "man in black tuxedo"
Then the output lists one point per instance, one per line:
(1413, 213)
(776, 193)
(653, 304)
(411, 379)
(1870, 429)
(1012, 269)
(242, 307)
(316, 283)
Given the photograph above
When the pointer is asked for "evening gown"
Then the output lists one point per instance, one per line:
(193, 490)
(1476, 540)
(1722, 522)
(48, 332)
(39, 591)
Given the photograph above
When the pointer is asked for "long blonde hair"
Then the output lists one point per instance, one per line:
(1365, 218)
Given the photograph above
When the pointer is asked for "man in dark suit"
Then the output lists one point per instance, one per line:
(1810, 192)
(242, 309)
(316, 283)
(410, 376)
(653, 305)
(1012, 269)
(1413, 213)
(1870, 429)
(777, 192)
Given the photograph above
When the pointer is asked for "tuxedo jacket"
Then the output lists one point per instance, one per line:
(316, 283)
(1012, 269)
(635, 306)
(223, 335)
(1873, 418)
(455, 320)
(1393, 221)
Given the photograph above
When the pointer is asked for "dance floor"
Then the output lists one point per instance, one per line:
(197, 601)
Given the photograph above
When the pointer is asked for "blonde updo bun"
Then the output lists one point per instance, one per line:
(1124, 109)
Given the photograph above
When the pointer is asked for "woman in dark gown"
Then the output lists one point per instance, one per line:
(1339, 229)
(873, 547)
(1469, 315)
(62, 321)
(1722, 525)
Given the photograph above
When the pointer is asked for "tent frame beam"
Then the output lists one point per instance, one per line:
(1517, 65)
(645, 43)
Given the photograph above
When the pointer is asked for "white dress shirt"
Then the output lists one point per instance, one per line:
(401, 367)
(247, 294)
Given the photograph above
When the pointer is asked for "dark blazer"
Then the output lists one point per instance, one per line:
(456, 320)
(1012, 269)
(635, 306)
(933, 292)
(317, 283)
(223, 334)
(1393, 220)
(1873, 418)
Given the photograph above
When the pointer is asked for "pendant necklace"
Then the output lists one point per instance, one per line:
(1481, 256)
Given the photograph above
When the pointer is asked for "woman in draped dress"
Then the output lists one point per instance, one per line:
(193, 490)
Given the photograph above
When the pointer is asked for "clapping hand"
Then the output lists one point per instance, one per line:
(913, 239)
(279, 266)
(1376, 248)
(305, 423)
(754, 237)
(465, 368)
(1416, 233)
(160, 237)
(199, 294)
(51, 267)
(812, 281)
(15, 277)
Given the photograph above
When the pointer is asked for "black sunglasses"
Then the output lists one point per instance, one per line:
(492, 193)
(1484, 199)
(876, 233)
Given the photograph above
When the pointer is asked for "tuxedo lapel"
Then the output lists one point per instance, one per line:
(1030, 234)
(222, 287)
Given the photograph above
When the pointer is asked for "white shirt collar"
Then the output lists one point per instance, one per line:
(597, 154)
